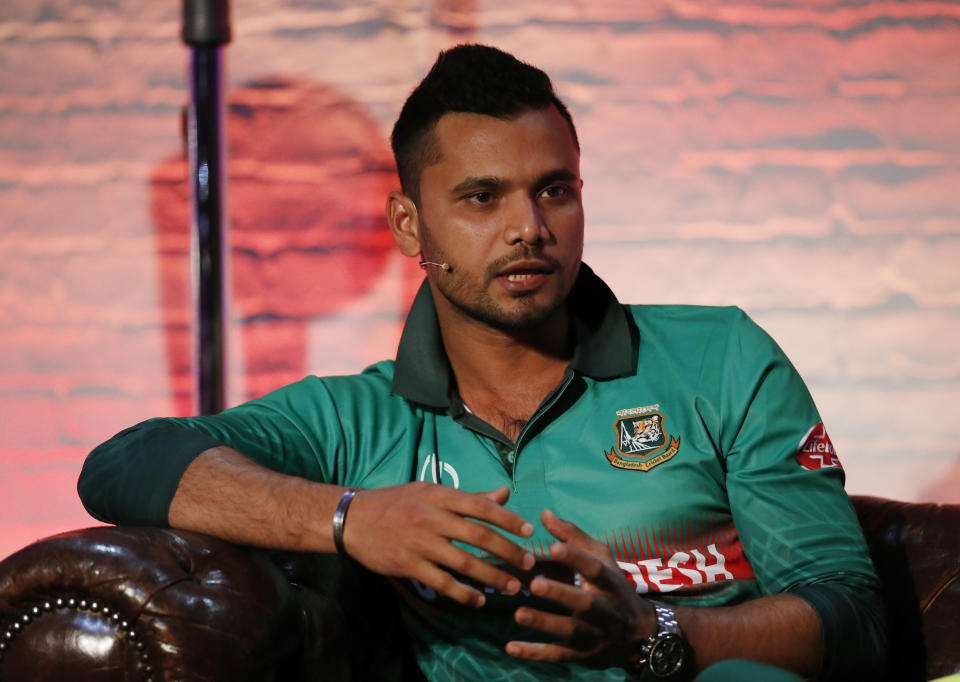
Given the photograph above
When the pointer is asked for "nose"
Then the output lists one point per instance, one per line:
(525, 223)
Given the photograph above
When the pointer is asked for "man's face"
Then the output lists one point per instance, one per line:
(503, 209)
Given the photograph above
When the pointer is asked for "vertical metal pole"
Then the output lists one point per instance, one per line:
(206, 29)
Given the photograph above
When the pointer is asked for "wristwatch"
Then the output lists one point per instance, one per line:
(663, 655)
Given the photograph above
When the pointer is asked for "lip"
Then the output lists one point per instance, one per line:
(537, 271)
(527, 265)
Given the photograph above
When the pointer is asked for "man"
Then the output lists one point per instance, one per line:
(591, 454)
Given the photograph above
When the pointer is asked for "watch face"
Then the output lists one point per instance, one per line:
(666, 655)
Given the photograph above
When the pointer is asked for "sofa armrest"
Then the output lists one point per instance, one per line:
(915, 548)
(113, 603)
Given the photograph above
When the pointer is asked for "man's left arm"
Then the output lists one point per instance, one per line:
(820, 609)
(609, 621)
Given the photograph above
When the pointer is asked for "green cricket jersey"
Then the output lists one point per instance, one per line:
(680, 436)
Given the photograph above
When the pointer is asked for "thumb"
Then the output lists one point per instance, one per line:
(499, 495)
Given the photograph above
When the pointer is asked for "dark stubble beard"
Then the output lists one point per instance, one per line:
(473, 300)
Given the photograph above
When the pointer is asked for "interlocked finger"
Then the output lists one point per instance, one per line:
(442, 582)
(482, 537)
(535, 651)
(574, 598)
(596, 570)
(480, 507)
(572, 630)
(470, 566)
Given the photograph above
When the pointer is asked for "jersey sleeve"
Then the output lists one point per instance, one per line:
(784, 481)
(334, 430)
(785, 488)
(131, 478)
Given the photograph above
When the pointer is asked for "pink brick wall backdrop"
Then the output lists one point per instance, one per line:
(800, 159)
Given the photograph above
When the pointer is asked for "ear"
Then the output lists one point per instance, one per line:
(403, 218)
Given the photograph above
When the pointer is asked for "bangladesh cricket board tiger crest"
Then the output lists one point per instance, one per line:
(642, 441)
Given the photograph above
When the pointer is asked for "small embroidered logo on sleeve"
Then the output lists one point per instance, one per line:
(816, 451)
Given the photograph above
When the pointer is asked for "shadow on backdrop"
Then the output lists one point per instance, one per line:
(308, 175)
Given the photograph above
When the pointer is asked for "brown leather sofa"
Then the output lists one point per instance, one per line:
(110, 604)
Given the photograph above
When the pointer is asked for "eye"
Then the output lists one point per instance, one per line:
(481, 197)
(556, 191)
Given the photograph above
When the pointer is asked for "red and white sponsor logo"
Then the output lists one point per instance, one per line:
(697, 557)
(682, 568)
(816, 451)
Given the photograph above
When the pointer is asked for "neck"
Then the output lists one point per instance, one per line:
(490, 357)
(503, 376)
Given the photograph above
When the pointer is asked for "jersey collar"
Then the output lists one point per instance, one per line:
(606, 341)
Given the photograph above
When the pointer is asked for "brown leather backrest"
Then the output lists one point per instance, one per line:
(916, 550)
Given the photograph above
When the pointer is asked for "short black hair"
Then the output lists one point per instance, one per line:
(476, 79)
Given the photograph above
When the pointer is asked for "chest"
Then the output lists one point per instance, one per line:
(509, 410)
(612, 461)
(640, 475)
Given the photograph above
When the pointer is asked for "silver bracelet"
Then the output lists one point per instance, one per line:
(339, 516)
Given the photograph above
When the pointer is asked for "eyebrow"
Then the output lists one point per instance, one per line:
(492, 182)
(559, 175)
(480, 182)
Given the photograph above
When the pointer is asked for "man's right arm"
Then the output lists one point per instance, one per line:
(404, 531)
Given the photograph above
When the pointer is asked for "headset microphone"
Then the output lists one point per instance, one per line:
(443, 266)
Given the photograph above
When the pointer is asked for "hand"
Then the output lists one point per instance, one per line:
(407, 531)
(609, 619)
